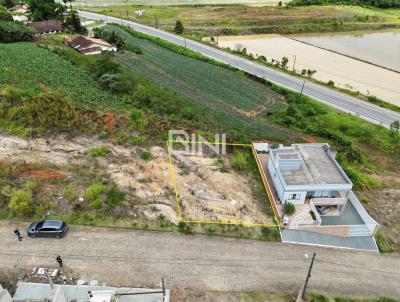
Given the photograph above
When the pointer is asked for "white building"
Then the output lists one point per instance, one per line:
(27, 292)
(306, 171)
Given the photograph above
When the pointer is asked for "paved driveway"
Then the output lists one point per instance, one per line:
(136, 258)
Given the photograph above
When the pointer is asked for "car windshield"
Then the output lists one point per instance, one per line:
(39, 225)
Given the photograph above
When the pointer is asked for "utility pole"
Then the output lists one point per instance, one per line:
(156, 21)
(302, 88)
(127, 14)
(302, 291)
(163, 289)
(294, 63)
(184, 40)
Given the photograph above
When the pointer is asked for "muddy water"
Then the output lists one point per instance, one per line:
(380, 48)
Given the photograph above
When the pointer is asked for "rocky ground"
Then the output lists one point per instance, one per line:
(207, 189)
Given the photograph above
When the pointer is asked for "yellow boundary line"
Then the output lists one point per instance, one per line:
(270, 199)
(214, 143)
(172, 175)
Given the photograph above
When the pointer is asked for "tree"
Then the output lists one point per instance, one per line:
(280, 3)
(5, 16)
(284, 62)
(73, 23)
(310, 72)
(289, 208)
(395, 127)
(8, 3)
(179, 27)
(45, 9)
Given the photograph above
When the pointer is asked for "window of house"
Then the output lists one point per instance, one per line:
(295, 196)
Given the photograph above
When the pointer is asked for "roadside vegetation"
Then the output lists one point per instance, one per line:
(217, 20)
(188, 295)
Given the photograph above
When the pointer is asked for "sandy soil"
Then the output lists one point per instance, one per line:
(343, 71)
(209, 193)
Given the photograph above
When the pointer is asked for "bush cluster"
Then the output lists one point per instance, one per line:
(11, 32)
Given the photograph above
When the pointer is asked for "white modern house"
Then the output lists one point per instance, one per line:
(309, 177)
(307, 171)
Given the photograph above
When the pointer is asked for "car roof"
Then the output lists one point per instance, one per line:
(52, 223)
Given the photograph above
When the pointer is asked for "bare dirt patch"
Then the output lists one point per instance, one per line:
(210, 190)
(43, 174)
(384, 206)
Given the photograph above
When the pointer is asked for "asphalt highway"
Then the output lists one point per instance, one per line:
(333, 98)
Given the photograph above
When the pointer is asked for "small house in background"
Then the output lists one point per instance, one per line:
(19, 9)
(46, 27)
(20, 18)
(140, 12)
(88, 45)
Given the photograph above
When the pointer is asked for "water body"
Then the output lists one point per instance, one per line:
(381, 48)
(335, 57)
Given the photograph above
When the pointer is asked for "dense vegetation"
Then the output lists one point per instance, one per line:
(28, 114)
(14, 32)
(376, 3)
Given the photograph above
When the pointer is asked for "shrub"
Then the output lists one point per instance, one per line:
(145, 155)
(122, 138)
(21, 202)
(184, 228)
(69, 192)
(384, 243)
(95, 190)
(137, 140)
(179, 27)
(115, 197)
(289, 208)
(97, 204)
(241, 161)
(5, 16)
(99, 151)
(14, 32)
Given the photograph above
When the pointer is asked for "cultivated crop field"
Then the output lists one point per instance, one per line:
(30, 67)
(230, 98)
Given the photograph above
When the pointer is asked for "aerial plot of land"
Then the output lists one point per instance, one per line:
(220, 189)
(308, 167)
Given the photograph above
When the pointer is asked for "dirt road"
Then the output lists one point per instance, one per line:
(136, 258)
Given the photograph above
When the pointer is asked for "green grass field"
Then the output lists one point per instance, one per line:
(200, 21)
(231, 98)
(171, 2)
(30, 67)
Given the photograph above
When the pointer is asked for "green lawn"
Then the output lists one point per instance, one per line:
(232, 99)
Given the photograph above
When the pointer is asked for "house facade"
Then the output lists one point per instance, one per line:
(304, 171)
(88, 45)
(46, 27)
(309, 177)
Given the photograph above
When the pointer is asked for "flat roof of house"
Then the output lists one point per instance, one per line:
(317, 165)
(39, 292)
